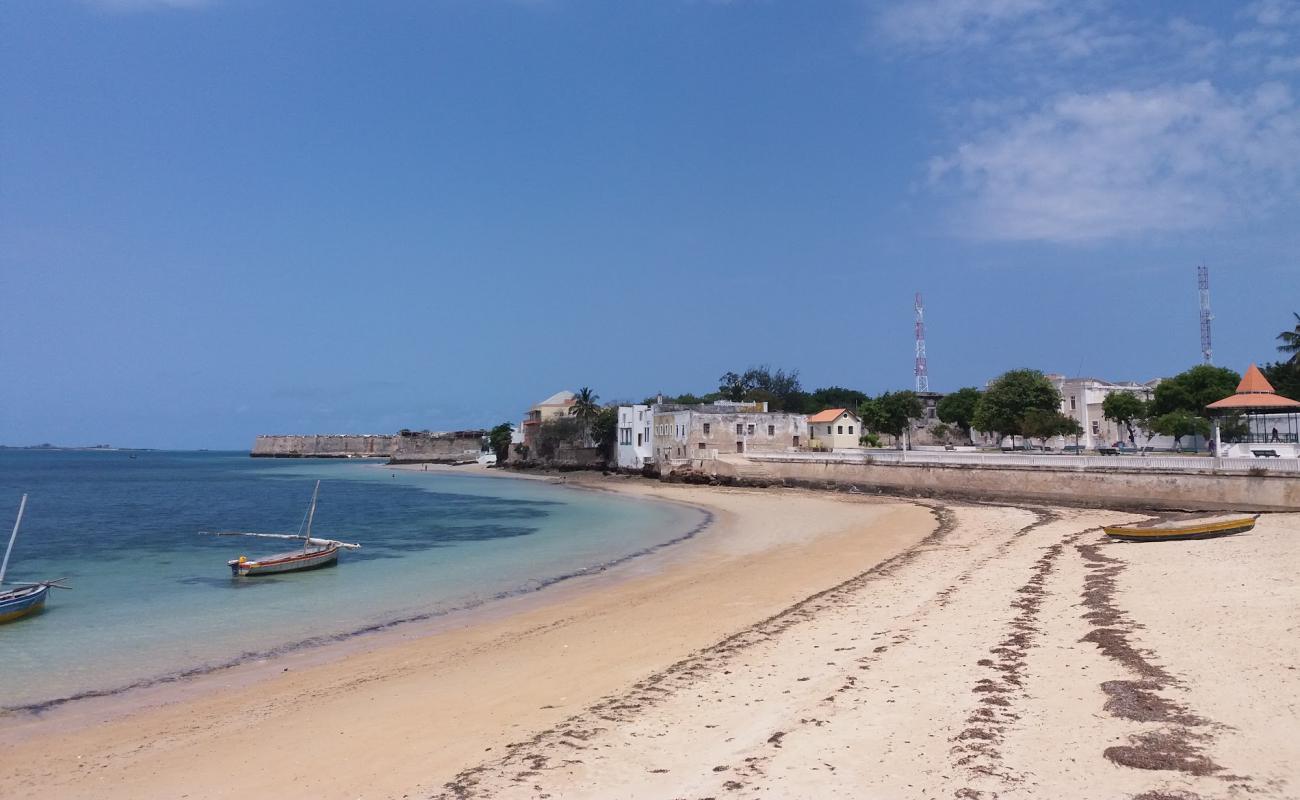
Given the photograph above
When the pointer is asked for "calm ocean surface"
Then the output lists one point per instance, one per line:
(153, 599)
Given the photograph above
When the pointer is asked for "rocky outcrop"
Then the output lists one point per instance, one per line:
(407, 447)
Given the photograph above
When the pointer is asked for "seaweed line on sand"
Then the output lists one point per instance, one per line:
(977, 747)
(1178, 744)
(612, 710)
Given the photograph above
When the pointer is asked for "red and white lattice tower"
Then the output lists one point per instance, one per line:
(922, 371)
(1203, 284)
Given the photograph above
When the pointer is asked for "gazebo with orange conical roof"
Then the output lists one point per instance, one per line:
(1272, 421)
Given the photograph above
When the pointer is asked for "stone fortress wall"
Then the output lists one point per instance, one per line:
(412, 447)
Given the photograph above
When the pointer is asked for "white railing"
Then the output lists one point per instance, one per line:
(1131, 462)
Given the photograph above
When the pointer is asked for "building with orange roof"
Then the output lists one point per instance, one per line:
(835, 428)
(1271, 421)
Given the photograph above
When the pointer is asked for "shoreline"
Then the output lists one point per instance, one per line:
(719, 555)
(330, 647)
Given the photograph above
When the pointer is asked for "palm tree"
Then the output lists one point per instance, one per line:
(585, 408)
(1291, 341)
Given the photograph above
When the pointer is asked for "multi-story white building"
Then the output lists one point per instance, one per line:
(1082, 398)
(635, 441)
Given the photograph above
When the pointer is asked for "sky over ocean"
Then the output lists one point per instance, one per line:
(226, 217)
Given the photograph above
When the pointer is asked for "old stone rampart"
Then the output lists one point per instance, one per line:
(413, 447)
(1112, 488)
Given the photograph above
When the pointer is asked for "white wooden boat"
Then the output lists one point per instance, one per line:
(24, 599)
(315, 553)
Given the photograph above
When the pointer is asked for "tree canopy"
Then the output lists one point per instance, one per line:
(1042, 424)
(1124, 408)
(1002, 408)
(780, 389)
(1179, 423)
(499, 440)
(1291, 341)
(834, 397)
(958, 408)
(1194, 389)
(891, 412)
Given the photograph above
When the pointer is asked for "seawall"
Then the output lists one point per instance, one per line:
(1115, 489)
(412, 447)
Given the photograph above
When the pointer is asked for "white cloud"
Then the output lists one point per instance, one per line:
(1089, 166)
(1273, 12)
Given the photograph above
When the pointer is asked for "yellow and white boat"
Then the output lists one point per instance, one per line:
(1173, 530)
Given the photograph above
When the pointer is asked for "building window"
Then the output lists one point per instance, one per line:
(1072, 405)
(1096, 428)
(706, 429)
(638, 440)
(751, 430)
(796, 441)
(839, 429)
(850, 430)
(771, 430)
(700, 446)
(828, 430)
(740, 429)
(625, 436)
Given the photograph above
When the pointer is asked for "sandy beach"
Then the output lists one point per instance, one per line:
(804, 645)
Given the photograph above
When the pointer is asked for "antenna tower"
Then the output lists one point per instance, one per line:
(1203, 284)
(922, 372)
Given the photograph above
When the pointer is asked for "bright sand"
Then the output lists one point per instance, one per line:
(1005, 653)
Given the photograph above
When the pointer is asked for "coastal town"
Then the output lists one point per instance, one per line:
(761, 426)
(690, 400)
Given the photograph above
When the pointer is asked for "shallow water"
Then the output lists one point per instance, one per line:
(153, 599)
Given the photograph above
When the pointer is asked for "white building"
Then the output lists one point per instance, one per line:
(1082, 398)
(635, 442)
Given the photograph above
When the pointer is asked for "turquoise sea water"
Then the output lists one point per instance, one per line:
(152, 599)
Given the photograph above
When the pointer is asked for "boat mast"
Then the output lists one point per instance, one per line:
(311, 513)
(4, 565)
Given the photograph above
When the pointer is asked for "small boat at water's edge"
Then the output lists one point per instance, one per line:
(315, 553)
(1203, 528)
(26, 598)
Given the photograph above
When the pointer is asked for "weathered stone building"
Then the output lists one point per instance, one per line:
(683, 432)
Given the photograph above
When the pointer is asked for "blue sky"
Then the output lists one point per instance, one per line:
(231, 217)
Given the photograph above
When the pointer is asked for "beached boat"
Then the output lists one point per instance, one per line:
(25, 598)
(1172, 530)
(315, 553)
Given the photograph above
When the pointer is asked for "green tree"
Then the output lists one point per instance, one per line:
(1042, 425)
(1179, 423)
(780, 389)
(1002, 408)
(1285, 377)
(1071, 428)
(499, 439)
(1124, 408)
(585, 408)
(941, 432)
(958, 409)
(891, 413)
(604, 430)
(1233, 428)
(1193, 390)
(1291, 341)
(558, 431)
(834, 397)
